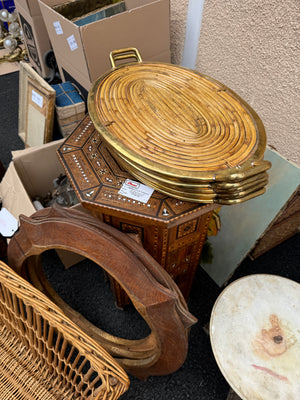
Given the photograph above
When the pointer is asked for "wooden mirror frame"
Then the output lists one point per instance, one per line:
(152, 291)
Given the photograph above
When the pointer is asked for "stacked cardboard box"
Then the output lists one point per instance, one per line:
(35, 34)
(82, 52)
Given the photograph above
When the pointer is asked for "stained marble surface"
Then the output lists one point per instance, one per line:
(255, 336)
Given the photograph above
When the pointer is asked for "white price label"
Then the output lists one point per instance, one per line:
(72, 43)
(135, 190)
(58, 28)
(8, 223)
(37, 98)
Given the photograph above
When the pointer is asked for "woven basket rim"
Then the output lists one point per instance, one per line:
(98, 357)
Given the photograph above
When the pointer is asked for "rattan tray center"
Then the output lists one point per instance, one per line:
(165, 117)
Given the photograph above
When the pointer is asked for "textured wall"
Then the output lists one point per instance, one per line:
(178, 23)
(252, 46)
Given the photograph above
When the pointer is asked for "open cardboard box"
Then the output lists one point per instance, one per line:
(31, 173)
(82, 52)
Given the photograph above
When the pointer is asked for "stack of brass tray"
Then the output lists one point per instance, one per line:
(180, 132)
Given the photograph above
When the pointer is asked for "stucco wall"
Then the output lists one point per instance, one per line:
(252, 46)
(177, 26)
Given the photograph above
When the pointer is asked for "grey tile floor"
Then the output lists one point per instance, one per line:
(199, 377)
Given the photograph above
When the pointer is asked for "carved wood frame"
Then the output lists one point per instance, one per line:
(152, 291)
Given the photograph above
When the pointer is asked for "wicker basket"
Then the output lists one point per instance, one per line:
(44, 355)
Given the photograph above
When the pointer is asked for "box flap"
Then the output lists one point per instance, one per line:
(36, 39)
(119, 28)
(130, 4)
(65, 37)
(69, 73)
(31, 6)
(32, 172)
(37, 167)
(14, 196)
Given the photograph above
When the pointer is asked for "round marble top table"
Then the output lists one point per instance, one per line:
(255, 337)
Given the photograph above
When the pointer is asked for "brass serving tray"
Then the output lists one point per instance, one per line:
(173, 126)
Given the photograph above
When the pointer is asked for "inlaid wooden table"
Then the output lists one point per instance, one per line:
(255, 337)
(171, 230)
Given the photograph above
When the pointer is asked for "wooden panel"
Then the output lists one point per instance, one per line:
(176, 249)
(244, 224)
(36, 107)
(283, 227)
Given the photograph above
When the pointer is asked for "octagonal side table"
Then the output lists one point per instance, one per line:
(172, 231)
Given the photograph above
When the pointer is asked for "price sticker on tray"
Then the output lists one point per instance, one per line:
(136, 191)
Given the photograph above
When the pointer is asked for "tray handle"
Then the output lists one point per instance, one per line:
(123, 54)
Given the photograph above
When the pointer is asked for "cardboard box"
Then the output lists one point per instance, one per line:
(31, 173)
(35, 34)
(82, 52)
(31, 7)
